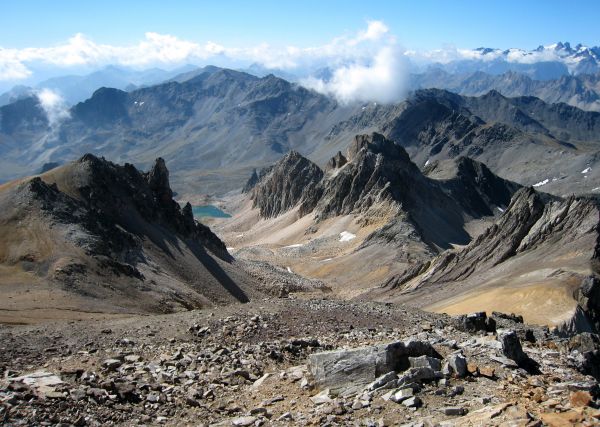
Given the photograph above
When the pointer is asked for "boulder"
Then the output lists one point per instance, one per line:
(511, 346)
(585, 353)
(475, 322)
(350, 371)
(425, 362)
(457, 364)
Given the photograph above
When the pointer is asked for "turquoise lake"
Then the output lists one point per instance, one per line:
(209, 211)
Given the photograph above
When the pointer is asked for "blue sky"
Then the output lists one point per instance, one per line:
(368, 46)
(422, 24)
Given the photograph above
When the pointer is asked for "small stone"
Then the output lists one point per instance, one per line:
(77, 394)
(472, 369)
(321, 398)
(285, 416)
(111, 364)
(511, 346)
(401, 395)
(383, 380)
(356, 405)
(425, 362)
(258, 411)
(243, 421)
(454, 410)
(412, 402)
(456, 390)
(153, 398)
(458, 364)
(487, 371)
(259, 382)
(580, 399)
(54, 395)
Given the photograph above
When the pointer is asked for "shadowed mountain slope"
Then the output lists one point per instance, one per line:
(99, 237)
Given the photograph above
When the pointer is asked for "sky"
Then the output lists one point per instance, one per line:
(363, 42)
(422, 24)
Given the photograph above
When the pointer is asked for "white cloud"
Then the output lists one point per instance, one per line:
(54, 106)
(365, 66)
(11, 68)
(375, 31)
(382, 80)
(157, 49)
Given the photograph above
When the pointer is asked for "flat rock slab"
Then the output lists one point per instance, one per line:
(43, 381)
(350, 371)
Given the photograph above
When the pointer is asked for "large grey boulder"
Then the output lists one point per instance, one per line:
(457, 364)
(351, 370)
(475, 322)
(511, 346)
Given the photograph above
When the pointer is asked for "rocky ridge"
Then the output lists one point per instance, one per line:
(533, 226)
(376, 178)
(107, 238)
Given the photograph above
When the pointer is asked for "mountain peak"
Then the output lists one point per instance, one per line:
(375, 143)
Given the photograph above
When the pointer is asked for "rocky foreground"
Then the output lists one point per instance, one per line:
(298, 362)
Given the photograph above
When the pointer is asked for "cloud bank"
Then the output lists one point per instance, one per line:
(368, 65)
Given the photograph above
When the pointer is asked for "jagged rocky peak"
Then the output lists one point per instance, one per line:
(337, 161)
(375, 143)
(158, 179)
(525, 240)
(291, 181)
(119, 191)
(477, 189)
(377, 170)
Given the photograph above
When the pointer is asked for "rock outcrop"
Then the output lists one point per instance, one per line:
(293, 180)
(349, 371)
(471, 183)
(337, 161)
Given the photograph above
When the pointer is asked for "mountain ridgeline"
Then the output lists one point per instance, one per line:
(225, 123)
(376, 178)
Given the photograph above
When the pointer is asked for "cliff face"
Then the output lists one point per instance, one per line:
(293, 180)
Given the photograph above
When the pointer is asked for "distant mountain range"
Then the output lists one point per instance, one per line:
(581, 91)
(215, 127)
(542, 63)
(75, 88)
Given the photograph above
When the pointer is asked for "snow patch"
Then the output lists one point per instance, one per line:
(499, 208)
(290, 270)
(427, 162)
(539, 184)
(346, 236)
(586, 170)
(295, 245)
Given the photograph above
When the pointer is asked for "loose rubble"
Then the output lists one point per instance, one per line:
(294, 362)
